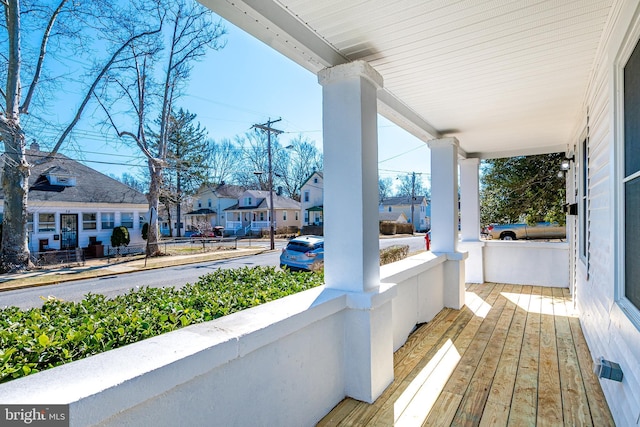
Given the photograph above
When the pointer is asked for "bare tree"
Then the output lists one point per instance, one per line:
(253, 170)
(222, 159)
(385, 189)
(65, 23)
(295, 164)
(189, 32)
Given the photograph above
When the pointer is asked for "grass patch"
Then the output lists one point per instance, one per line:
(41, 338)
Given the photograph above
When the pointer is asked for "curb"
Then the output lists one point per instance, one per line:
(53, 277)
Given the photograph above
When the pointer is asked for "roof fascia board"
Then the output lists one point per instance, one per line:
(531, 151)
(270, 23)
(398, 112)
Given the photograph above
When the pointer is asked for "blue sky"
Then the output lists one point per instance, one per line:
(246, 83)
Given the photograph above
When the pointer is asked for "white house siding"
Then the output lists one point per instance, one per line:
(104, 236)
(316, 197)
(608, 331)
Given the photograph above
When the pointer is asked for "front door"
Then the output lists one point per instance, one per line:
(69, 231)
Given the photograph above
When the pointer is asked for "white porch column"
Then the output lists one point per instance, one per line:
(350, 135)
(351, 263)
(444, 217)
(470, 220)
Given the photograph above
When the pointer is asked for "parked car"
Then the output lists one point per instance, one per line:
(303, 253)
(216, 232)
(541, 230)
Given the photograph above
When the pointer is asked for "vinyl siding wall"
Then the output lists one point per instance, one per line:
(608, 331)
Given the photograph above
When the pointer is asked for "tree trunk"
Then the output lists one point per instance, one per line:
(15, 185)
(155, 172)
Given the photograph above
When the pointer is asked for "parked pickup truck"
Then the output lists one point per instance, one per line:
(541, 230)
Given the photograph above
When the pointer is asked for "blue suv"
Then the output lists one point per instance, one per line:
(303, 253)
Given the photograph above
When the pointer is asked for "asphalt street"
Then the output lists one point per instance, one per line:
(176, 276)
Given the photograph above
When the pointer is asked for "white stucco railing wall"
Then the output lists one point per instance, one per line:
(527, 263)
(281, 363)
(419, 284)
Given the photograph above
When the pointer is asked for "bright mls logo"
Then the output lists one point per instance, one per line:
(34, 415)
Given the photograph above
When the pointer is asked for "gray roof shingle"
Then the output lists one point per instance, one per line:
(91, 186)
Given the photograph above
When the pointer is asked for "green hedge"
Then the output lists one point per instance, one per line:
(60, 332)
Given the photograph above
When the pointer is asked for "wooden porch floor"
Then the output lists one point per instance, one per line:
(515, 355)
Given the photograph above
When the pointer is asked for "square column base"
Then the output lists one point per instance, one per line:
(454, 280)
(368, 345)
(474, 266)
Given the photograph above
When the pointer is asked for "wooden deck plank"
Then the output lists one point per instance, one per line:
(339, 413)
(486, 295)
(549, 394)
(506, 360)
(428, 337)
(574, 399)
(496, 412)
(459, 381)
(600, 413)
(487, 358)
(423, 356)
(525, 399)
(444, 409)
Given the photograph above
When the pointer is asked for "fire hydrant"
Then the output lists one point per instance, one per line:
(427, 239)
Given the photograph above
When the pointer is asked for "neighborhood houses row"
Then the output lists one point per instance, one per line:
(73, 206)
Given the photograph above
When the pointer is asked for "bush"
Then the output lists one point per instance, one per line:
(388, 228)
(404, 228)
(41, 338)
(393, 254)
(120, 237)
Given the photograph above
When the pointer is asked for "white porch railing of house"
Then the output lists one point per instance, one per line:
(286, 358)
(233, 225)
(259, 225)
(521, 262)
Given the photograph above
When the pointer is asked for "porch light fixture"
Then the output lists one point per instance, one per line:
(566, 163)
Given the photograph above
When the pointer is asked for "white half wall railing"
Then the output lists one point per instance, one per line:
(281, 363)
(523, 262)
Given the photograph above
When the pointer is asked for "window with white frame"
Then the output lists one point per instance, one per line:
(284, 215)
(126, 219)
(46, 222)
(306, 195)
(90, 221)
(247, 201)
(107, 220)
(296, 215)
(583, 187)
(30, 222)
(631, 178)
(209, 202)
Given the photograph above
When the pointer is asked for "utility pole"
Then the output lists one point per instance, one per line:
(413, 198)
(267, 128)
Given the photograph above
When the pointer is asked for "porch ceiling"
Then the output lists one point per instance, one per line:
(504, 77)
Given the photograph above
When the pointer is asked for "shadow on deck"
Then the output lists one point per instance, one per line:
(514, 355)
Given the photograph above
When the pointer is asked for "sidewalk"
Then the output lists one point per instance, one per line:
(108, 267)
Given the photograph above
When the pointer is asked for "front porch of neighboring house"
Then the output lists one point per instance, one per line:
(314, 215)
(196, 219)
(244, 222)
